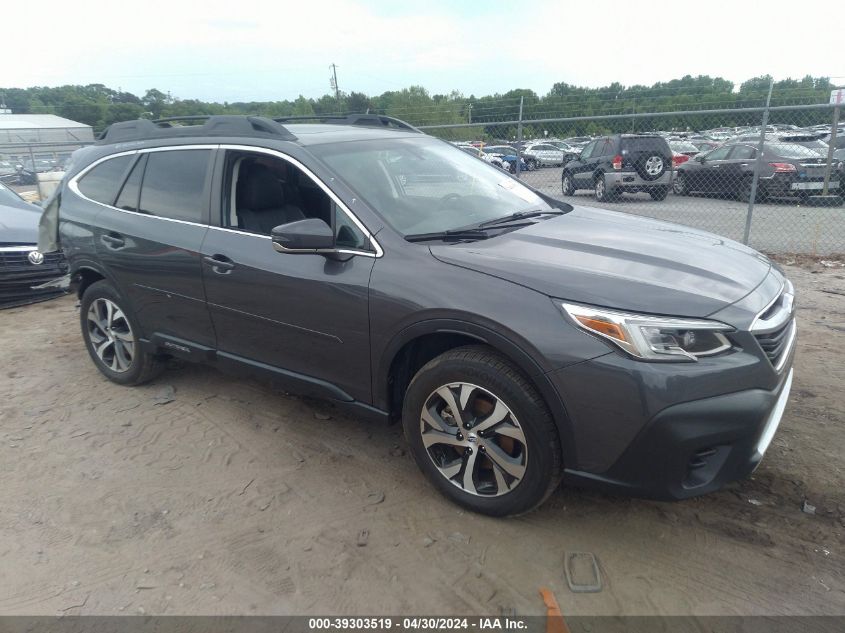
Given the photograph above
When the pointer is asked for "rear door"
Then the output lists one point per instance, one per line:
(581, 173)
(738, 166)
(149, 237)
(710, 177)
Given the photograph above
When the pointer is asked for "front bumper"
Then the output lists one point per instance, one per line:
(697, 447)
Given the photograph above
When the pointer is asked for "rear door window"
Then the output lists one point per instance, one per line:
(175, 184)
(102, 183)
(743, 152)
(719, 154)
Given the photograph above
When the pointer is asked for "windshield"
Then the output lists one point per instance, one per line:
(790, 150)
(423, 185)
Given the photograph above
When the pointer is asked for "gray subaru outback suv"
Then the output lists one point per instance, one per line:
(520, 340)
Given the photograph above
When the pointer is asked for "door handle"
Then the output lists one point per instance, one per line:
(113, 240)
(220, 264)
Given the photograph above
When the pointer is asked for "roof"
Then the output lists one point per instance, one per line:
(37, 121)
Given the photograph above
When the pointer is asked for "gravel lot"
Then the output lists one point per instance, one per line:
(777, 227)
(207, 494)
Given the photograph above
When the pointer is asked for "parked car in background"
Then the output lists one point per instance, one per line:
(622, 163)
(787, 170)
(682, 151)
(545, 155)
(704, 145)
(570, 152)
(509, 157)
(22, 267)
(482, 155)
(577, 141)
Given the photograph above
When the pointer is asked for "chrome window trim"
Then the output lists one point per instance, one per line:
(271, 152)
(73, 183)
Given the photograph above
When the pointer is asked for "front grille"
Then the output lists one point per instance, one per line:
(774, 344)
(18, 276)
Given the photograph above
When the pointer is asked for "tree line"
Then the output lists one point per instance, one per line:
(99, 106)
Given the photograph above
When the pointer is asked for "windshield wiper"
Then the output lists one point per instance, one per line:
(519, 215)
(450, 235)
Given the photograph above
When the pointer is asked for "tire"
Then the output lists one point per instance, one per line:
(744, 191)
(658, 193)
(108, 325)
(567, 185)
(679, 184)
(512, 167)
(603, 193)
(531, 164)
(651, 166)
(523, 436)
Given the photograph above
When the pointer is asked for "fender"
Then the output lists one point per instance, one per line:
(521, 358)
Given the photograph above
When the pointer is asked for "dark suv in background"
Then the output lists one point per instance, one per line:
(519, 339)
(622, 163)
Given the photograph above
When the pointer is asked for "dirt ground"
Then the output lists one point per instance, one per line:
(206, 494)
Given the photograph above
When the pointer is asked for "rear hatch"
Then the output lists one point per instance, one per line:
(637, 150)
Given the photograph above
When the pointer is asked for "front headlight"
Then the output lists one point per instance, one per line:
(650, 337)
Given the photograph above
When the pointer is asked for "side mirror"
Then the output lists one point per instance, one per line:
(303, 236)
(700, 158)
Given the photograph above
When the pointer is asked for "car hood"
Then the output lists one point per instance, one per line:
(19, 225)
(618, 261)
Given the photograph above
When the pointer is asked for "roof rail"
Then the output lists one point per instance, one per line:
(370, 120)
(215, 125)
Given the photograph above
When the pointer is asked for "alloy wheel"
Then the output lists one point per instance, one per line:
(474, 439)
(600, 189)
(111, 335)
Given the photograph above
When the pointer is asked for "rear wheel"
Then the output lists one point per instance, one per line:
(567, 185)
(603, 192)
(744, 191)
(481, 433)
(111, 335)
(679, 185)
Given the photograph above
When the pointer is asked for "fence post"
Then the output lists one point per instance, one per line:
(756, 177)
(519, 139)
(35, 171)
(830, 149)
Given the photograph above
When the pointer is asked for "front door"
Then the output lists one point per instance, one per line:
(303, 317)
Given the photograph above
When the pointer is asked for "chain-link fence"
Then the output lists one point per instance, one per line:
(757, 175)
(30, 169)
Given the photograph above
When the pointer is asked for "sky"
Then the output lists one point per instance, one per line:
(258, 50)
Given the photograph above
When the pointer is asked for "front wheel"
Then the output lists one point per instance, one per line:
(567, 185)
(481, 433)
(111, 336)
